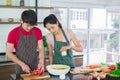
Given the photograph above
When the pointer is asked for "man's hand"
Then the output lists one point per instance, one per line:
(26, 68)
(41, 67)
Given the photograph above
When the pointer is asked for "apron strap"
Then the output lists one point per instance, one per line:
(64, 36)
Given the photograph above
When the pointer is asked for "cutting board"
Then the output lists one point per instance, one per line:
(78, 70)
(35, 77)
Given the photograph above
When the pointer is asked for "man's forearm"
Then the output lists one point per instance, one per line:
(41, 56)
(14, 58)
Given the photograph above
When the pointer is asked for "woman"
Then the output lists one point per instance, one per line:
(59, 42)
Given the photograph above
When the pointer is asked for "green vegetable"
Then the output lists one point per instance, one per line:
(44, 41)
(118, 65)
(115, 72)
(103, 65)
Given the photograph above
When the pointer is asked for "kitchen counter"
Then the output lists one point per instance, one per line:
(7, 66)
(52, 77)
(71, 77)
(5, 61)
(4, 58)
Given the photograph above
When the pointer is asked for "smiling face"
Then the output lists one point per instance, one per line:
(53, 28)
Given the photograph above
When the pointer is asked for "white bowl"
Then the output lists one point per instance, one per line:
(58, 69)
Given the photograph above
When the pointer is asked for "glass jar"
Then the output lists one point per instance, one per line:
(8, 2)
(21, 2)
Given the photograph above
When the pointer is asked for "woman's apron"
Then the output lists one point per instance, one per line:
(26, 52)
(57, 57)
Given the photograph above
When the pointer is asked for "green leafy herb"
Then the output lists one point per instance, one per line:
(103, 65)
(115, 72)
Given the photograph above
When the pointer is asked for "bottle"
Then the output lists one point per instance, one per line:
(21, 2)
(8, 2)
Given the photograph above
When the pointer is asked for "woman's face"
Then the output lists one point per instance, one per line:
(53, 28)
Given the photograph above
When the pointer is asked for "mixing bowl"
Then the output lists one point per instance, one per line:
(58, 69)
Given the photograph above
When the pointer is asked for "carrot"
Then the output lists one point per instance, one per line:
(93, 66)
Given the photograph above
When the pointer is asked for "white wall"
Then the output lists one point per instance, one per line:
(86, 3)
(94, 58)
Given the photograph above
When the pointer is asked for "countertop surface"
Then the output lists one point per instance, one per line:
(4, 58)
(72, 77)
(67, 77)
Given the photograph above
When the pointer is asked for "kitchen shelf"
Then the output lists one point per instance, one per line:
(24, 7)
(16, 22)
(9, 22)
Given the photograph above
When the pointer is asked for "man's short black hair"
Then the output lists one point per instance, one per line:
(29, 16)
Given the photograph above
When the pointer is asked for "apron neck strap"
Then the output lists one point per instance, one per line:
(64, 36)
(21, 31)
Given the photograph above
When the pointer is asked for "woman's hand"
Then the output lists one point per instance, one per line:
(64, 48)
(26, 68)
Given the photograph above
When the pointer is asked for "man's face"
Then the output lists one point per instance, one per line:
(27, 27)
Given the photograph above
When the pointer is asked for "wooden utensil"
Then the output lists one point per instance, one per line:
(35, 77)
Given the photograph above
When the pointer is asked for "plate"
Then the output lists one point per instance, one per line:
(80, 71)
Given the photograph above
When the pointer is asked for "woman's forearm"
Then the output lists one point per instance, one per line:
(50, 58)
(75, 48)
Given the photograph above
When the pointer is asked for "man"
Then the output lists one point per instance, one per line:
(26, 39)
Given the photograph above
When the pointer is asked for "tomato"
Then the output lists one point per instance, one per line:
(112, 67)
(40, 71)
(37, 71)
(93, 66)
(86, 79)
(106, 70)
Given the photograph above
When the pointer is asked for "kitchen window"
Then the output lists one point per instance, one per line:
(95, 31)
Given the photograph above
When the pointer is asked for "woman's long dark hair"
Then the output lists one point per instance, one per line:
(52, 19)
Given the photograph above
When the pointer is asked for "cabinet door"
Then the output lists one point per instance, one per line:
(6, 70)
(78, 61)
